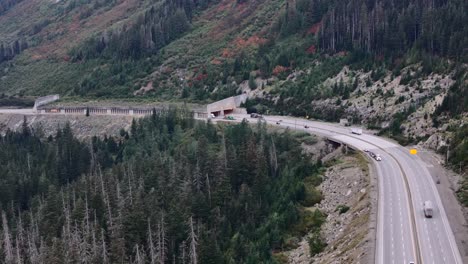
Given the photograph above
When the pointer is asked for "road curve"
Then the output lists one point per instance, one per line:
(403, 233)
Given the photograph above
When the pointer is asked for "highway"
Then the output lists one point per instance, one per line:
(403, 233)
(404, 183)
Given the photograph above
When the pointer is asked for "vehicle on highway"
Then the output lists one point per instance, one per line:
(437, 180)
(366, 150)
(377, 157)
(306, 126)
(357, 131)
(428, 209)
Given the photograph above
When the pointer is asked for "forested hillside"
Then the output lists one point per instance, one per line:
(7, 4)
(392, 28)
(112, 48)
(170, 190)
(398, 66)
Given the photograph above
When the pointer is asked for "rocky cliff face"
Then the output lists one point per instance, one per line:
(378, 97)
(346, 185)
(83, 127)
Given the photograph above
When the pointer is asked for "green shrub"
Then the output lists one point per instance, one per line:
(252, 83)
(342, 208)
(312, 196)
(316, 243)
(405, 79)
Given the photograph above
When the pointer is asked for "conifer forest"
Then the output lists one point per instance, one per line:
(169, 190)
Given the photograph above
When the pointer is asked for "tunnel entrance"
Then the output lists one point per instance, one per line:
(216, 113)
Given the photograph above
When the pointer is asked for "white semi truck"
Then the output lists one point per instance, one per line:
(428, 209)
(357, 131)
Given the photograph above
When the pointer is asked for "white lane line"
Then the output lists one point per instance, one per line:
(429, 240)
(401, 225)
(437, 230)
(380, 216)
(435, 194)
(417, 202)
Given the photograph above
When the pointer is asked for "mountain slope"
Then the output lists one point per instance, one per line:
(386, 64)
(95, 33)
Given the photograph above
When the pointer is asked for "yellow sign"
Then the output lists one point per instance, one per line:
(413, 151)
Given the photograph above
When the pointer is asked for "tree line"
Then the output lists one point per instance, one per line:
(169, 190)
(5, 5)
(382, 27)
(158, 26)
(9, 51)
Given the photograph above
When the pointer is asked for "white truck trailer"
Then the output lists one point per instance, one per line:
(428, 209)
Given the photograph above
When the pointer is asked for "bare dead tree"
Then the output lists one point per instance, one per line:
(18, 252)
(183, 252)
(151, 246)
(197, 178)
(161, 248)
(20, 237)
(106, 198)
(88, 228)
(224, 152)
(208, 187)
(139, 255)
(7, 245)
(193, 242)
(105, 258)
(273, 158)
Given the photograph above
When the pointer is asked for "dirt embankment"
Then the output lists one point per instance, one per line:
(346, 184)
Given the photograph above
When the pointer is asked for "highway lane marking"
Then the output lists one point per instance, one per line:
(401, 225)
(411, 201)
(380, 215)
(399, 148)
(448, 231)
(438, 239)
(397, 197)
(425, 221)
(400, 184)
(429, 240)
(413, 227)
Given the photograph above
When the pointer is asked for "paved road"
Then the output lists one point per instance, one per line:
(17, 111)
(403, 233)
